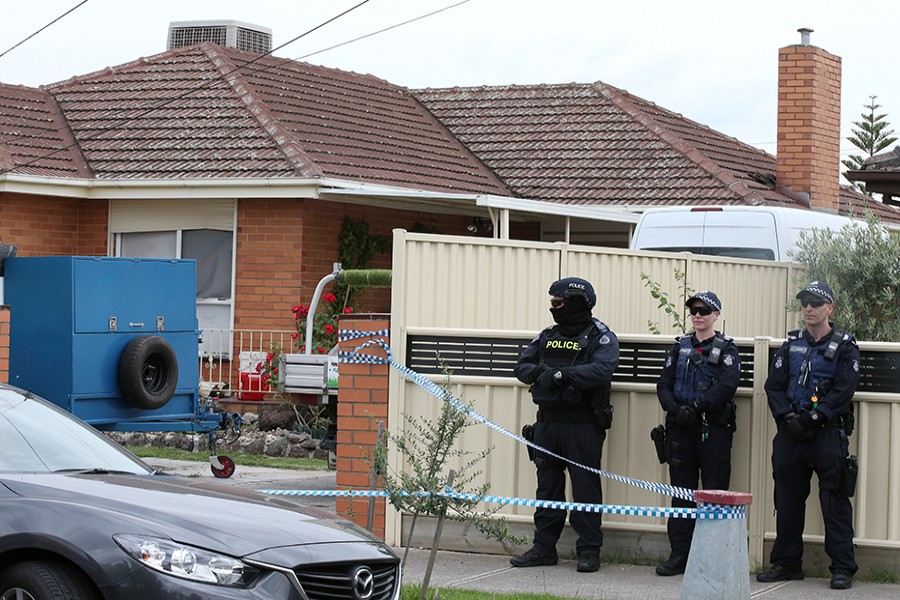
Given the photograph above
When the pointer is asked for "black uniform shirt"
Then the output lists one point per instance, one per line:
(718, 394)
(838, 399)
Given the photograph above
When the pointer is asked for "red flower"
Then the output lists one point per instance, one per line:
(329, 328)
(295, 336)
(347, 310)
(329, 298)
(259, 367)
(320, 350)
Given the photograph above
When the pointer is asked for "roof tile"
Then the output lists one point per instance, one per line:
(34, 139)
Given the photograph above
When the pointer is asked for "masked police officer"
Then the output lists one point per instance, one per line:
(695, 389)
(810, 389)
(569, 367)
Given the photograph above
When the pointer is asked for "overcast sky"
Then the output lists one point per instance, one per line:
(713, 61)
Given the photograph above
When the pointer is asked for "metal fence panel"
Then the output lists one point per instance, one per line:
(475, 291)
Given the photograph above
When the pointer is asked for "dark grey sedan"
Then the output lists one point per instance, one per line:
(83, 519)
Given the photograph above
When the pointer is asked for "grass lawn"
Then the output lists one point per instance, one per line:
(412, 592)
(239, 458)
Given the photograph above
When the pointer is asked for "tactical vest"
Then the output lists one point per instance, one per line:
(559, 351)
(695, 371)
(812, 368)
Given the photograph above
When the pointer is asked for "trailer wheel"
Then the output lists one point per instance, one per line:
(148, 372)
(227, 469)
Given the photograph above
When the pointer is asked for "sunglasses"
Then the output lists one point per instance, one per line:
(557, 303)
(701, 310)
(814, 303)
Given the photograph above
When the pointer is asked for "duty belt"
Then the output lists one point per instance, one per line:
(565, 416)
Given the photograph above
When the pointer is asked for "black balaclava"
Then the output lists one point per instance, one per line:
(573, 316)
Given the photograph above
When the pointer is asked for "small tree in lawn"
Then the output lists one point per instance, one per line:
(872, 137)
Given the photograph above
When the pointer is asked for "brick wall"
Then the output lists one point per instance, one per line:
(39, 226)
(4, 344)
(809, 126)
(362, 404)
(93, 228)
(285, 246)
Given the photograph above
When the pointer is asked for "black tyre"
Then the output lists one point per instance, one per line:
(148, 372)
(45, 580)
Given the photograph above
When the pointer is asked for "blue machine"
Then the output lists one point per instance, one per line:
(114, 341)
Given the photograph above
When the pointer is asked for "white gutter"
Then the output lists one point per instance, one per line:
(625, 214)
(289, 187)
(498, 207)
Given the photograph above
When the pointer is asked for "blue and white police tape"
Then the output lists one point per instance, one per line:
(442, 394)
(703, 511)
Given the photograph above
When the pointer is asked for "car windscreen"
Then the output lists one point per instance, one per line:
(38, 437)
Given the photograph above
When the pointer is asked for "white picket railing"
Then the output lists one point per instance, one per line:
(230, 360)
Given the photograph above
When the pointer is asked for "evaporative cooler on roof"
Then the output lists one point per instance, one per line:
(231, 34)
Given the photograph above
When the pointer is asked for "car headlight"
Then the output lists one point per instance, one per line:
(185, 561)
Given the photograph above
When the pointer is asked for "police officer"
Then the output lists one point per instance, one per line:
(695, 389)
(810, 389)
(569, 367)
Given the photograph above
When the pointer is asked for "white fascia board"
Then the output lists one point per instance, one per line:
(161, 188)
(520, 205)
(623, 214)
(351, 188)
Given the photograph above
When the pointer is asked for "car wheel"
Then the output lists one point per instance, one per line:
(49, 580)
(148, 372)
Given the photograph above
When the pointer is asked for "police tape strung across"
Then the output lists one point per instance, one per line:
(703, 511)
(438, 392)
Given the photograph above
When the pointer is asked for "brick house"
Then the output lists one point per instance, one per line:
(881, 174)
(249, 163)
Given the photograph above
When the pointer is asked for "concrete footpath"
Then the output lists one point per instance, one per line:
(493, 573)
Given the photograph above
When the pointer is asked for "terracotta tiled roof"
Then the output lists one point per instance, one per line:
(593, 144)
(204, 112)
(199, 112)
(590, 143)
(854, 204)
(34, 138)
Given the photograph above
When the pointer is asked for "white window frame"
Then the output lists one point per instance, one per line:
(148, 216)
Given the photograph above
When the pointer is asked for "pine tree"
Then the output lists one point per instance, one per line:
(872, 137)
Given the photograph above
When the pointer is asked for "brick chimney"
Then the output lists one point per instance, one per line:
(809, 125)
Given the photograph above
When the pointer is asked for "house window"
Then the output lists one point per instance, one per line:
(202, 231)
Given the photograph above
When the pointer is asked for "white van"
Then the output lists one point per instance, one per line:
(761, 232)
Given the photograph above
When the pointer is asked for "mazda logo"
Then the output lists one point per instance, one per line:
(363, 583)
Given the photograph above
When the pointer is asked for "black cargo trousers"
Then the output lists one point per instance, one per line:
(690, 459)
(581, 442)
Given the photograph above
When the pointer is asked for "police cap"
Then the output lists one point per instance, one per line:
(708, 298)
(574, 286)
(820, 289)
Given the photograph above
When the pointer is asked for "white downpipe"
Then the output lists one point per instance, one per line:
(310, 316)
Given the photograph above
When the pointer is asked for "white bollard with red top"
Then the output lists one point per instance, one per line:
(718, 566)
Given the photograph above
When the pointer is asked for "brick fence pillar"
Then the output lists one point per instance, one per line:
(362, 404)
(4, 344)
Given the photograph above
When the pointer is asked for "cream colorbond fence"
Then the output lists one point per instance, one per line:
(478, 302)
(476, 283)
